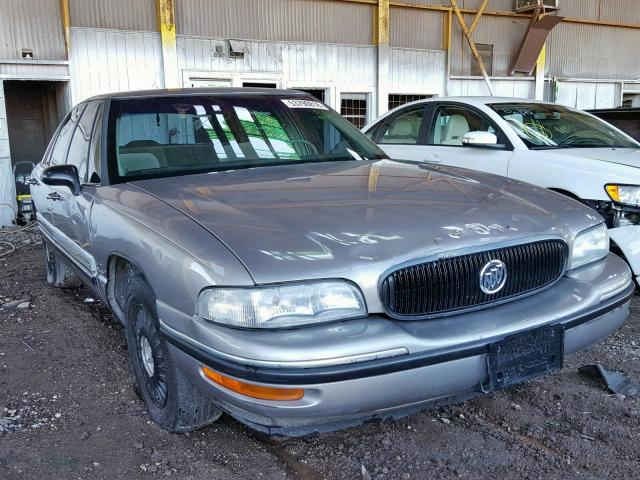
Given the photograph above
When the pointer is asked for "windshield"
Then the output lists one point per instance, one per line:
(543, 126)
(181, 135)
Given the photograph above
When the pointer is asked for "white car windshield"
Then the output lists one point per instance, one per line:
(543, 126)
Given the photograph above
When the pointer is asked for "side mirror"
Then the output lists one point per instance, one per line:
(480, 139)
(62, 176)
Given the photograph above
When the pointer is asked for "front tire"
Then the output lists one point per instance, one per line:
(172, 401)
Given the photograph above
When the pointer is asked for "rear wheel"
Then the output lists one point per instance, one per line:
(58, 272)
(171, 399)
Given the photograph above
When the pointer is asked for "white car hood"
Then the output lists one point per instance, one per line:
(621, 156)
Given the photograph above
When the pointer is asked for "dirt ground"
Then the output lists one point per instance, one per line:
(69, 409)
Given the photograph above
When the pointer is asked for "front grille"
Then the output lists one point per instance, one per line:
(450, 284)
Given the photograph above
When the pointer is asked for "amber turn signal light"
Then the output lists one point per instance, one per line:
(614, 192)
(251, 390)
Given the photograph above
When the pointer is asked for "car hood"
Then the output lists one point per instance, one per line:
(621, 156)
(355, 219)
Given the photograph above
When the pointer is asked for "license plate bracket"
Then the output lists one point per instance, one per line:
(525, 355)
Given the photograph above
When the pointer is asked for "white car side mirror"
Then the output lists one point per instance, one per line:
(479, 139)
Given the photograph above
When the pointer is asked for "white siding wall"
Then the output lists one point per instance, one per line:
(288, 65)
(7, 187)
(502, 87)
(336, 68)
(418, 71)
(587, 95)
(103, 61)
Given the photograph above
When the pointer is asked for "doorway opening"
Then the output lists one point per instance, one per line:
(34, 109)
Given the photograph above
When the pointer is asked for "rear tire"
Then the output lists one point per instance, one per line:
(172, 401)
(58, 272)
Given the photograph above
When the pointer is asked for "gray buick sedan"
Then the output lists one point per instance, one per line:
(269, 261)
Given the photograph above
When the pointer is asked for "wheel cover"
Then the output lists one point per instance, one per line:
(147, 355)
(150, 356)
(51, 262)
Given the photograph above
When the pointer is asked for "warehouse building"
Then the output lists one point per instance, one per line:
(362, 57)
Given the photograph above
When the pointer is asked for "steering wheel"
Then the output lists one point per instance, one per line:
(306, 142)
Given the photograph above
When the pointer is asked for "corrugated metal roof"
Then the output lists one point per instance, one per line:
(504, 33)
(622, 11)
(137, 15)
(280, 20)
(31, 24)
(592, 51)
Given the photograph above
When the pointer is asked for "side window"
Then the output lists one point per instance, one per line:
(403, 128)
(452, 123)
(79, 149)
(59, 151)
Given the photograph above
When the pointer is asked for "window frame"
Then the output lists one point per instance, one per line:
(426, 96)
(92, 124)
(56, 136)
(95, 147)
(368, 106)
(434, 107)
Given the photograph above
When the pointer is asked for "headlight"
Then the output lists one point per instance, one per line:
(589, 246)
(286, 305)
(627, 194)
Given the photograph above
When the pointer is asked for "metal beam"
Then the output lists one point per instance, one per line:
(64, 15)
(479, 13)
(472, 44)
(444, 8)
(167, 27)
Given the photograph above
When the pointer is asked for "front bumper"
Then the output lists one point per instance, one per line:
(445, 360)
(627, 238)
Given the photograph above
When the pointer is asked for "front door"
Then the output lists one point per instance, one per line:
(449, 123)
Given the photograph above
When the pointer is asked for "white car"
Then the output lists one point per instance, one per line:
(560, 148)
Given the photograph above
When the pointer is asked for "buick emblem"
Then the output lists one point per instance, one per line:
(493, 276)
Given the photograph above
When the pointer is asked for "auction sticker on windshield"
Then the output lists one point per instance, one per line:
(304, 104)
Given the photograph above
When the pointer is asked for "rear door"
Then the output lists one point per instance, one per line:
(447, 125)
(402, 134)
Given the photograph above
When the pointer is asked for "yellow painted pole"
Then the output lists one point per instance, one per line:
(64, 14)
(382, 42)
(167, 27)
(383, 23)
(540, 67)
(479, 13)
(446, 30)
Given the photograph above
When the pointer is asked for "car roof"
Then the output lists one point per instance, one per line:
(472, 100)
(173, 92)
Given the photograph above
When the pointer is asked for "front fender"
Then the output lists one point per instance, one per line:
(177, 256)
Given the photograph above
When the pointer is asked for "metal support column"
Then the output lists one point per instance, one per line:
(384, 53)
(167, 27)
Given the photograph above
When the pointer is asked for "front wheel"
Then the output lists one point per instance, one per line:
(172, 400)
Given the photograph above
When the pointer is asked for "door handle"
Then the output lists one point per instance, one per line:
(54, 196)
(432, 158)
(32, 181)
